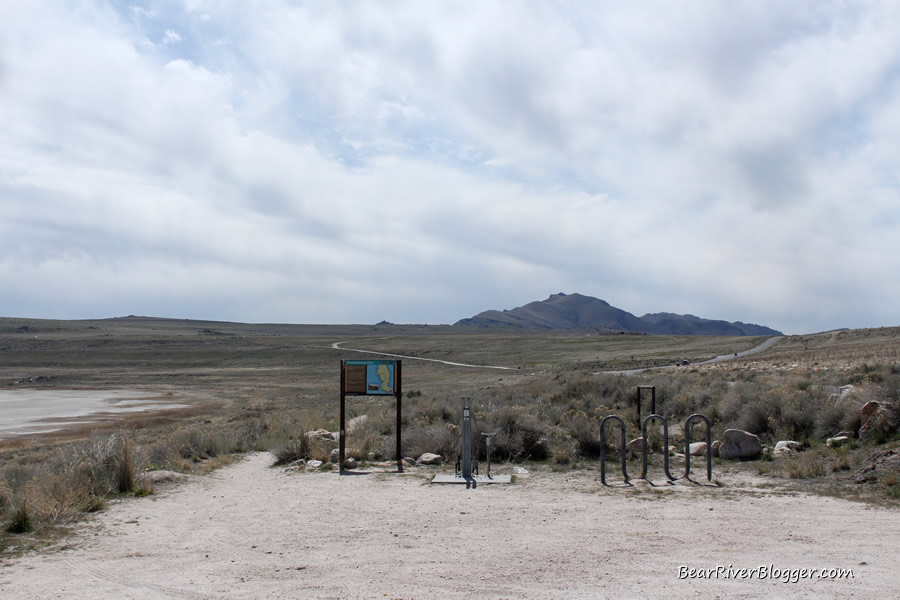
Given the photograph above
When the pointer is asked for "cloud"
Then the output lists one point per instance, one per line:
(423, 162)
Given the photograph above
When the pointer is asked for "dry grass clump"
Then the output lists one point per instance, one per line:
(437, 438)
(74, 481)
(804, 466)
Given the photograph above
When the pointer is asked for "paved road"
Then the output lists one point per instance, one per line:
(721, 358)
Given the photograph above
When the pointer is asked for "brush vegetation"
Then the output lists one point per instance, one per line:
(264, 387)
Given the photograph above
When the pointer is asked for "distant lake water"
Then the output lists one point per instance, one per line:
(25, 412)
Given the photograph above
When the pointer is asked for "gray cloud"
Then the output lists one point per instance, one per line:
(419, 162)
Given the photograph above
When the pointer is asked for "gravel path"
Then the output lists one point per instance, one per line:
(251, 531)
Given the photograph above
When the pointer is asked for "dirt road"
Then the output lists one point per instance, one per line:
(252, 531)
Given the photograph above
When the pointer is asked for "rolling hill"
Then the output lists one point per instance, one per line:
(575, 311)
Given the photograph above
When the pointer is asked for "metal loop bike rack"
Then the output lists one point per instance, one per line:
(624, 451)
(687, 445)
(645, 448)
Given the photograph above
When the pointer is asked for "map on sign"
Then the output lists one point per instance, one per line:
(379, 376)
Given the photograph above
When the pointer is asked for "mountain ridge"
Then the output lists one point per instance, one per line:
(576, 311)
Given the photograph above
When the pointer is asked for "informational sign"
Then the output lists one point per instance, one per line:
(370, 377)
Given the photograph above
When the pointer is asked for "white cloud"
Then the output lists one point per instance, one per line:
(224, 161)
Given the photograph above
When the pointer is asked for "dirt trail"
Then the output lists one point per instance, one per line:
(337, 346)
(251, 531)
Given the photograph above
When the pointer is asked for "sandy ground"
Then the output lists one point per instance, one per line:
(251, 531)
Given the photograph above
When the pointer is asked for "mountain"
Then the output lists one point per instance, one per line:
(575, 311)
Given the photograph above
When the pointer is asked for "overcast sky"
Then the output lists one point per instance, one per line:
(420, 162)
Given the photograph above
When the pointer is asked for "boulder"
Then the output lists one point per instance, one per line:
(715, 447)
(429, 459)
(698, 449)
(740, 444)
(788, 444)
(314, 464)
(868, 409)
(636, 446)
(849, 434)
(350, 463)
(837, 442)
(787, 448)
(875, 422)
(409, 462)
(320, 434)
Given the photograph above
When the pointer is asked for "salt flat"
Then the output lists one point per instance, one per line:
(40, 411)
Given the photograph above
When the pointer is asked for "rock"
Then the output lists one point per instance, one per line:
(636, 446)
(787, 448)
(320, 434)
(849, 434)
(715, 447)
(837, 442)
(874, 421)
(520, 470)
(334, 456)
(698, 449)
(868, 409)
(350, 463)
(788, 444)
(314, 464)
(430, 459)
(740, 444)
(409, 462)
(845, 390)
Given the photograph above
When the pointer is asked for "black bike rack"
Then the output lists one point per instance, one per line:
(687, 445)
(646, 446)
(624, 450)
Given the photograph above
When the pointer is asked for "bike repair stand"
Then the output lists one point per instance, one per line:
(466, 472)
